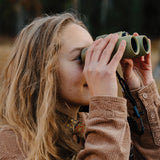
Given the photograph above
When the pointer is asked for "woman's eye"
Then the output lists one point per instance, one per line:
(79, 58)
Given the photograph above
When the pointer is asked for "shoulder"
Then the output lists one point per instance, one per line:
(9, 148)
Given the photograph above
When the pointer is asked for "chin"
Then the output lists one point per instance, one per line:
(86, 103)
(86, 99)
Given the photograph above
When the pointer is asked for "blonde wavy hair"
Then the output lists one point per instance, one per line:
(28, 99)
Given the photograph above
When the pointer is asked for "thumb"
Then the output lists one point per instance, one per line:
(127, 66)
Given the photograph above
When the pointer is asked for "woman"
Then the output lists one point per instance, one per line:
(45, 83)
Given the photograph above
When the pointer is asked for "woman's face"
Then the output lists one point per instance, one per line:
(73, 87)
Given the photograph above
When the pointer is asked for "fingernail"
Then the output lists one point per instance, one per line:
(116, 35)
(110, 35)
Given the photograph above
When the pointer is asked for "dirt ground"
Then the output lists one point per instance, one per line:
(6, 44)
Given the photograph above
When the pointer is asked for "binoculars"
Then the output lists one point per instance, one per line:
(136, 46)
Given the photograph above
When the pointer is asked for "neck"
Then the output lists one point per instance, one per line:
(68, 109)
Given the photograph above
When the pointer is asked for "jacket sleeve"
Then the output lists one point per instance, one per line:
(107, 134)
(147, 145)
(9, 149)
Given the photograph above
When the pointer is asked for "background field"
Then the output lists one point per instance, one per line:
(100, 17)
(6, 44)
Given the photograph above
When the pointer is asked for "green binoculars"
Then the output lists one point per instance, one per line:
(136, 46)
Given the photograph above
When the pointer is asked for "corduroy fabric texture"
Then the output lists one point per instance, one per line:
(107, 132)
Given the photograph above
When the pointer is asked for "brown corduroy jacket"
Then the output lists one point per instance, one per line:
(108, 135)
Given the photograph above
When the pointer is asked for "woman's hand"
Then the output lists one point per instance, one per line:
(99, 70)
(137, 70)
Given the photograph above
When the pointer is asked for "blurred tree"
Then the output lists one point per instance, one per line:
(151, 21)
(75, 4)
(117, 17)
(56, 6)
(100, 16)
(7, 18)
(105, 5)
(136, 16)
(106, 16)
(91, 15)
(25, 11)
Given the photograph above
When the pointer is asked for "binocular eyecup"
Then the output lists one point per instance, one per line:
(136, 46)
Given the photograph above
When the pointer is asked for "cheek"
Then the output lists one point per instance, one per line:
(70, 76)
(70, 86)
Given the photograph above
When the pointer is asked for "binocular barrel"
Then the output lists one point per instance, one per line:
(136, 46)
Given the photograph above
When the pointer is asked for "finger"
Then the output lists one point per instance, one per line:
(148, 56)
(127, 70)
(89, 51)
(124, 67)
(117, 57)
(107, 52)
(135, 34)
(138, 59)
(126, 61)
(142, 58)
(147, 59)
(98, 49)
